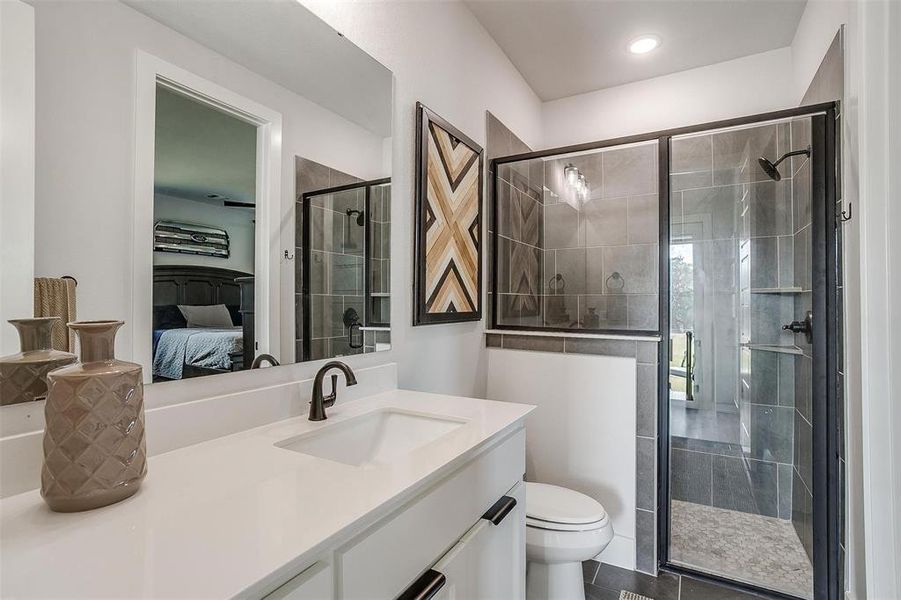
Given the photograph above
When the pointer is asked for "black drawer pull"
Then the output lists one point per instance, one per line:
(501, 509)
(425, 587)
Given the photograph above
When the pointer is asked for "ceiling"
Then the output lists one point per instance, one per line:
(568, 47)
(200, 150)
(286, 43)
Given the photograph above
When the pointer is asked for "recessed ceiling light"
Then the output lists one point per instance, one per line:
(644, 44)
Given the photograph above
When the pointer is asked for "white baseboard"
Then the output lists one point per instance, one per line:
(619, 553)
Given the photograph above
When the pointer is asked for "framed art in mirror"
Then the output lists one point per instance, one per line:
(448, 273)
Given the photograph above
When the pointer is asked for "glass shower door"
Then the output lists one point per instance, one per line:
(740, 452)
(334, 273)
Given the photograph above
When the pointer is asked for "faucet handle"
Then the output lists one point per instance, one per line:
(329, 400)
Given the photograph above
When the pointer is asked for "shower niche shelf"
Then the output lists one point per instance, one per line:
(782, 290)
(773, 348)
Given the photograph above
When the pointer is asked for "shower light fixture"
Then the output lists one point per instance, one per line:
(571, 174)
(644, 44)
(578, 186)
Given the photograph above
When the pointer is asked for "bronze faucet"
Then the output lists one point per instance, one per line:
(319, 402)
(259, 360)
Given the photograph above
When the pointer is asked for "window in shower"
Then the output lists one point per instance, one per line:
(741, 424)
(682, 350)
(577, 241)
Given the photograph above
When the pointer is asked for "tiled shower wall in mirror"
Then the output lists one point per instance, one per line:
(337, 262)
(580, 258)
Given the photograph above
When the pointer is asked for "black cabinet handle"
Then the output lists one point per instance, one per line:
(499, 510)
(425, 587)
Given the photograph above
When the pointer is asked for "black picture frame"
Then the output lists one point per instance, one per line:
(421, 315)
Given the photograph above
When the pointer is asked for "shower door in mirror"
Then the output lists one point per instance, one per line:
(747, 265)
(345, 293)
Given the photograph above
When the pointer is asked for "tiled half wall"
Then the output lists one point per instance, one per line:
(645, 354)
(532, 303)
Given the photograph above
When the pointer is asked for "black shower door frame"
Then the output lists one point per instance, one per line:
(307, 255)
(826, 433)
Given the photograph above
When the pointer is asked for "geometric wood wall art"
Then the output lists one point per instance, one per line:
(448, 273)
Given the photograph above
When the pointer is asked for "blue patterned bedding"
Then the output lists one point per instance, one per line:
(207, 347)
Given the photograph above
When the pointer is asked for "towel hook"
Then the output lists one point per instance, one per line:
(846, 214)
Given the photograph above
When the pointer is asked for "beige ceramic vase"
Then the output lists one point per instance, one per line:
(23, 376)
(94, 449)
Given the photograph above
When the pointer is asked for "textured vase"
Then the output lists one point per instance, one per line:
(23, 376)
(94, 449)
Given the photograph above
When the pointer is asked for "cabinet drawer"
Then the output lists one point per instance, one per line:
(384, 562)
(489, 563)
(313, 583)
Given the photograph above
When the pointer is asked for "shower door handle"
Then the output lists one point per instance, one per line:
(804, 326)
(355, 328)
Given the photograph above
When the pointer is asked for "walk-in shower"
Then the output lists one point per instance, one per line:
(741, 476)
(720, 242)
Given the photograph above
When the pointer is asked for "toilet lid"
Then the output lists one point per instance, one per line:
(556, 504)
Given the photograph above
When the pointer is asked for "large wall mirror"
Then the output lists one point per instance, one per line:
(216, 175)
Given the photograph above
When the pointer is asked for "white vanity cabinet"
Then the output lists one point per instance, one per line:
(313, 583)
(445, 528)
(489, 561)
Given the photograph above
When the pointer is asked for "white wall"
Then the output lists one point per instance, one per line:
(744, 86)
(16, 167)
(85, 84)
(441, 56)
(819, 23)
(876, 106)
(237, 222)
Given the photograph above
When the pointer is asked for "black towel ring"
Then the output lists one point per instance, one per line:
(70, 277)
(616, 277)
(557, 284)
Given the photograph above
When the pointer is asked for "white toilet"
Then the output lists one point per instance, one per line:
(563, 528)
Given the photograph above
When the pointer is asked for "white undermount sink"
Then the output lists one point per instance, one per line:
(374, 438)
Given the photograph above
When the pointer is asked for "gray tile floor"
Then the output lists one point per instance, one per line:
(764, 551)
(605, 582)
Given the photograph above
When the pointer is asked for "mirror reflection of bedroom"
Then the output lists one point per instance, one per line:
(203, 239)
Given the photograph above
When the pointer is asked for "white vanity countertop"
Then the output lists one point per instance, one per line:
(231, 515)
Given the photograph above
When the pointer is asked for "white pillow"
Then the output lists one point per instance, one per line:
(215, 315)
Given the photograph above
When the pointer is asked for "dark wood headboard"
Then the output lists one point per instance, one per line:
(197, 286)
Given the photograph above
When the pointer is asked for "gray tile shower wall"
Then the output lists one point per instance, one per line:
(521, 229)
(732, 229)
(601, 254)
(380, 253)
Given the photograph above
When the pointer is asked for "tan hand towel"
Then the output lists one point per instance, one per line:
(55, 297)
